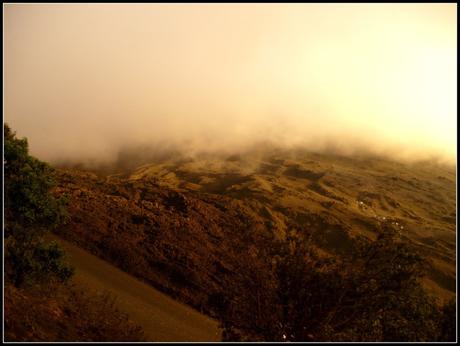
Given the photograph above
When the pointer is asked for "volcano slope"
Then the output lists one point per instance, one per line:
(333, 198)
(192, 227)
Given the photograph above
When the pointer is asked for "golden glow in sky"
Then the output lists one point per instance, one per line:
(84, 79)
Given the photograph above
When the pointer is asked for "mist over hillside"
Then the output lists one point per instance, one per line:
(131, 157)
(86, 83)
(288, 171)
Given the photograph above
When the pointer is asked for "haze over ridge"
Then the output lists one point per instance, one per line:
(85, 81)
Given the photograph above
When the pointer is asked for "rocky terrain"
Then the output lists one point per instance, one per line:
(188, 226)
(184, 244)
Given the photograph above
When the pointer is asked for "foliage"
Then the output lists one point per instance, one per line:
(28, 182)
(34, 261)
(372, 295)
(100, 319)
(58, 313)
(36, 312)
(448, 321)
(30, 209)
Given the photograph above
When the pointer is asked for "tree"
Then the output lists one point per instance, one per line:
(28, 183)
(373, 294)
(30, 210)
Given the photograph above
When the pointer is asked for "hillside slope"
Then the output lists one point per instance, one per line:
(193, 227)
(186, 245)
(332, 197)
(157, 314)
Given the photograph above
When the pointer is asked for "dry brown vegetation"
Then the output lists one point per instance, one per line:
(203, 229)
(64, 313)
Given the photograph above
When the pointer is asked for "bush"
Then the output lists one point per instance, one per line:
(58, 313)
(448, 321)
(99, 319)
(31, 260)
(30, 210)
(28, 183)
(372, 295)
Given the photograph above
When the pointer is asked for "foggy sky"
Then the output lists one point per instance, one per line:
(83, 81)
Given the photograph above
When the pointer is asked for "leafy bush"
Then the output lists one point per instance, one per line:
(28, 184)
(34, 261)
(30, 210)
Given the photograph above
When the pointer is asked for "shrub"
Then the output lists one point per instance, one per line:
(28, 183)
(372, 295)
(31, 260)
(65, 313)
(30, 210)
(448, 321)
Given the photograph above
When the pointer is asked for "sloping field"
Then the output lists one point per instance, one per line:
(162, 318)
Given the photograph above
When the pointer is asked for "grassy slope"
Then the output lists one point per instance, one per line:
(161, 318)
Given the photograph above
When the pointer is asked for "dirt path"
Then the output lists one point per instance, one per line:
(162, 318)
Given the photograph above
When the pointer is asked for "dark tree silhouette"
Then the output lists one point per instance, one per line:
(30, 210)
(374, 294)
